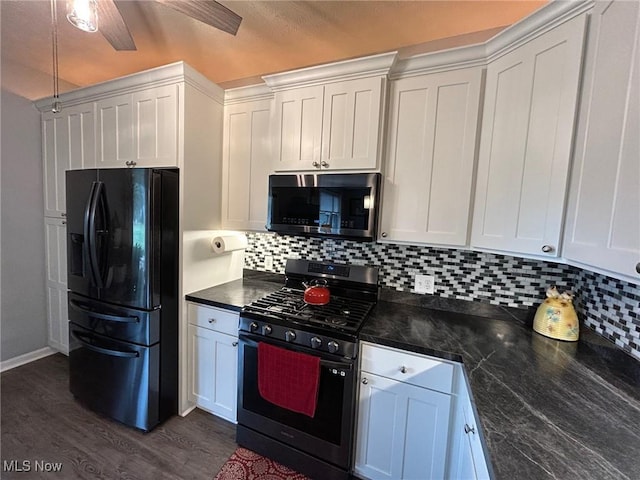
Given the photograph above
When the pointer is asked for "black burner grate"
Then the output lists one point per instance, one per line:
(340, 313)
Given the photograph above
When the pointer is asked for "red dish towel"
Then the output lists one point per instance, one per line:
(288, 379)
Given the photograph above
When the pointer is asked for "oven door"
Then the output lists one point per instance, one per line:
(328, 434)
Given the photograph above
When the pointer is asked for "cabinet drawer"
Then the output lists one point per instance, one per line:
(407, 367)
(213, 318)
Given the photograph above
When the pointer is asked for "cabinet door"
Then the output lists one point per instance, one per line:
(297, 128)
(430, 160)
(603, 220)
(351, 124)
(114, 119)
(155, 127)
(56, 263)
(527, 130)
(213, 367)
(246, 164)
(68, 140)
(402, 430)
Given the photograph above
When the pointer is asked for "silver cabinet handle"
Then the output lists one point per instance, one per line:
(63, 214)
(211, 320)
(383, 234)
(468, 429)
(316, 164)
(365, 381)
(235, 344)
(547, 248)
(324, 164)
(403, 369)
(638, 267)
(130, 163)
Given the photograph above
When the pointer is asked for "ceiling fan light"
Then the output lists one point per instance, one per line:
(83, 14)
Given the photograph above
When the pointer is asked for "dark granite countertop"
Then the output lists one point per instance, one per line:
(547, 409)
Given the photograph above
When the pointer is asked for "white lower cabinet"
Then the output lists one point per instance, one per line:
(403, 424)
(467, 458)
(213, 360)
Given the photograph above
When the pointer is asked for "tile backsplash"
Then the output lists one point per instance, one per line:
(609, 306)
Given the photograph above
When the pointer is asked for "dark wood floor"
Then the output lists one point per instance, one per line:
(41, 422)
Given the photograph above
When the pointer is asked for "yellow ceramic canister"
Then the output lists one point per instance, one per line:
(556, 317)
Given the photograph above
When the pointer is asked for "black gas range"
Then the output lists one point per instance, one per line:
(318, 446)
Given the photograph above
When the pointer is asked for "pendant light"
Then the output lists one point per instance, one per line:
(56, 107)
(83, 14)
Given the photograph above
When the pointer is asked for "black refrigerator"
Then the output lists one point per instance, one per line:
(122, 265)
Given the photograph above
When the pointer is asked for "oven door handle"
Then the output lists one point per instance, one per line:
(337, 365)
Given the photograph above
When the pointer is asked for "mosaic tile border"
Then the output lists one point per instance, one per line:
(609, 306)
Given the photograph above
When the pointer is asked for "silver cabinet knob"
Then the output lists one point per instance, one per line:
(212, 320)
(383, 234)
(324, 164)
(235, 344)
(547, 248)
(403, 369)
(468, 429)
(316, 164)
(63, 214)
(64, 222)
(365, 381)
(638, 267)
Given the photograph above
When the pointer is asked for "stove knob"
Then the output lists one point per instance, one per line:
(332, 346)
(266, 330)
(316, 342)
(289, 335)
(253, 326)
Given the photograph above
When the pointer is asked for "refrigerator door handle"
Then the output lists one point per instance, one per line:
(106, 351)
(102, 316)
(86, 245)
(97, 189)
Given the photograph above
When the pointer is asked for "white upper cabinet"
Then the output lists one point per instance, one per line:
(527, 130)
(139, 129)
(68, 143)
(246, 164)
(329, 117)
(430, 157)
(297, 128)
(603, 219)
(351, 124)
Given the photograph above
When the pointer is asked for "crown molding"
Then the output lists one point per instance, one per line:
(370, 66)
(155, 77)
(248, 93)
(541, 21)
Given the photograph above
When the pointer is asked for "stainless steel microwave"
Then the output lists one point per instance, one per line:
(338, 205)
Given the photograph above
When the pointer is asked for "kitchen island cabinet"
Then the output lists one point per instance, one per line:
(603, 219)
(525, 145)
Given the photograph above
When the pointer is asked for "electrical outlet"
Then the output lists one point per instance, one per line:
(268, 262)
(424, 284)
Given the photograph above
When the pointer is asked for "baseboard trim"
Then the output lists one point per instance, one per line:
(26, 358)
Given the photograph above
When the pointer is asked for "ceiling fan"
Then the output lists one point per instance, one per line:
(115, 31)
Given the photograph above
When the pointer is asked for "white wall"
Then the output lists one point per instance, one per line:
(23, 325)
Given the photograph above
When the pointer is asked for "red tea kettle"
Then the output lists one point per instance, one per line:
(316, 292)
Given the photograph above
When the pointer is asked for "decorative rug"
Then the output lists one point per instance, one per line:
(244, 464)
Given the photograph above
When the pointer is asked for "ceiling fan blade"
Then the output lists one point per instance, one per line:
(207, 11)
(112, 26)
